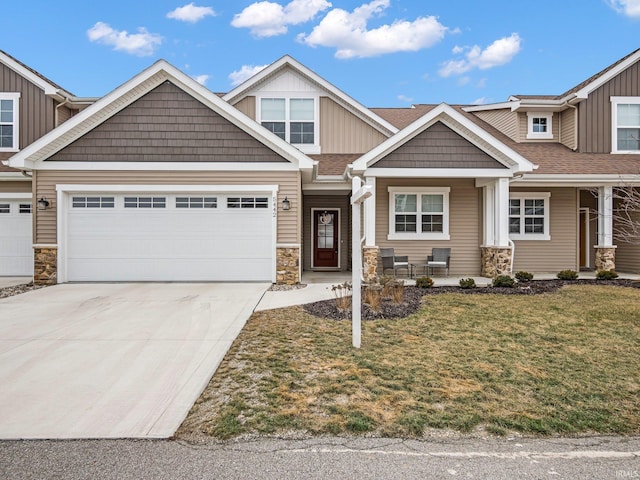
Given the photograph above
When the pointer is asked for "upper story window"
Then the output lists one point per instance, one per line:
(539, 125)
(9, 108)
(529, 216)
(292, 119)
(625, 124)
(418, 213)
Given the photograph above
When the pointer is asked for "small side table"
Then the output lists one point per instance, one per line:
(416, 266)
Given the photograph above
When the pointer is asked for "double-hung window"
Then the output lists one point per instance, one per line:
(292, 119)
(418, 213)
(625, 119)
(529, 216)
(9, 108)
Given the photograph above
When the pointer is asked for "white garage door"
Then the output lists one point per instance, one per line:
(16, 249)
(169, 237)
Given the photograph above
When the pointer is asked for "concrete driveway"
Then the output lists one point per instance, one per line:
(113, 360)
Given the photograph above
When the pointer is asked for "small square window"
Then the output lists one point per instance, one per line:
(539, 125)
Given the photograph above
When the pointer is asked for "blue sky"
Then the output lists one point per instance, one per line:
(384, 53)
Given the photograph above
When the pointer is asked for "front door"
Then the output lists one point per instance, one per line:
(326, 250)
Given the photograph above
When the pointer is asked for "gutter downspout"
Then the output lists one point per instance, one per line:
(56, 118)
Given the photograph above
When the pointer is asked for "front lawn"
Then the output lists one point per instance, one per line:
(562, 363)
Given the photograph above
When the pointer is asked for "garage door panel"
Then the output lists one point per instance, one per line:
(16, 246)
(170, 244)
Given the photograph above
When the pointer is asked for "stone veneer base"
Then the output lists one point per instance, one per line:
(605, 258)
(287, 265)
(496, 261)
(45, 265)
(370, 263)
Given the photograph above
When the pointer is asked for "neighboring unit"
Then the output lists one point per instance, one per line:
(162, 180)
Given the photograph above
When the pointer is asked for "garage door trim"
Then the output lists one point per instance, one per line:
(65, 191)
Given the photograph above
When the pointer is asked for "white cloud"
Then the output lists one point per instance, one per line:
(141, 44)
(630, 8)
(405, 99)
(268, 19)
(482, 101)
(201, 79)
(498, 53)
(347, 32)
(246, 72)
(191, 13)
(462, 81)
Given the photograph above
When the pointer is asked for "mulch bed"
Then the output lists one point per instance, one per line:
(18, 289)
(414, 296)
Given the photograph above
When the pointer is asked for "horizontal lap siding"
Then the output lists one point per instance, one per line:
(15, 187)
(289, 182)
(465, 224)
(561, 252)
(504, 120)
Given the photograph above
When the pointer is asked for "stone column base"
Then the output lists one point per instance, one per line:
(45, 265)
(605, 258)
(287, 265)
(495, 261)
(370, 263)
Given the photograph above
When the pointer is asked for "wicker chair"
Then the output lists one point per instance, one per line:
(391, 261)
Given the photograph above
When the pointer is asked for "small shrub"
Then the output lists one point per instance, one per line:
(567, 275)
(504, 281)
(424, 282)
(524, 276)
(397, 291)
(342, 294)
(373, 296)
(606, 274)
(387, 282)
(467, 283)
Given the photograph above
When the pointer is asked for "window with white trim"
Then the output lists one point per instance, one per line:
(145, 202)
(539, 125)
(9, 108)
(292, 119)
(93, 202)
(529, 216)
(419, 213)
(625, 118)
(247, 202)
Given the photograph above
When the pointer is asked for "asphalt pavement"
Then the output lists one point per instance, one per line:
(324, 458)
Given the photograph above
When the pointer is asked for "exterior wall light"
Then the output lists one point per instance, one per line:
(43, 203)
(286, 204)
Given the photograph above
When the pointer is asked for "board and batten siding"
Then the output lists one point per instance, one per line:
(289, 182)
(561, 252)
(343, 132)
(327, 202)
(465, 224)
(37, 111)
(594, 134)
(504, 120)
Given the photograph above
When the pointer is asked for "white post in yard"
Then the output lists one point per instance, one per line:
(358, 195)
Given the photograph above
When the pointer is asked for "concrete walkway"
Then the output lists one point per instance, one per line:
(113, 360)
(13, 281)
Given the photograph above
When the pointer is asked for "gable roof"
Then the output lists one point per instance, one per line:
(287, 62)
(135, 88)
(460, 124)
(34, 77)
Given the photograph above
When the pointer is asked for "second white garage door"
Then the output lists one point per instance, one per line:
(169, 237)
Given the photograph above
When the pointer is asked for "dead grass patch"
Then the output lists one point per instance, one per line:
(560, 363)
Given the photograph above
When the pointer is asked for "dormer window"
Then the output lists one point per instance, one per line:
(292, 119)
(9, 122)
(626, 124)
(539, 125)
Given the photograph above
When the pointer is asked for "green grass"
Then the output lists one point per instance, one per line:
(559, 364)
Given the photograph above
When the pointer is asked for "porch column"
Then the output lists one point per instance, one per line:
(370, 250)
(496, 251)
(605, 250)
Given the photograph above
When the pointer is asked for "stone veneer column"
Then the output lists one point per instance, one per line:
(605, 258)
(370, 263)
(496, 261)
(45, 265)
(287, 265)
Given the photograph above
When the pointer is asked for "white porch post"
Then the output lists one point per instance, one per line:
(370, 214)
(489, 214)
(496, 252)
(605, 216)
(502, 213)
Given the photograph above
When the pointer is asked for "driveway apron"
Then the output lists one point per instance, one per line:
(113, 360)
